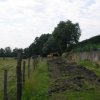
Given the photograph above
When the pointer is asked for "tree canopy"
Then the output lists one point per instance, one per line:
(50, 46)
(66, 34)
(36, 47)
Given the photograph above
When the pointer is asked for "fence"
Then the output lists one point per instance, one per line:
(93, 56)
(12, 78)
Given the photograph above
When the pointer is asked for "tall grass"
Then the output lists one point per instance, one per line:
(89, 92)
(36, 88)
(91, 66)
(77, 95)
(10, 65)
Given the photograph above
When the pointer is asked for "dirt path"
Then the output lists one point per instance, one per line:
(65, 76)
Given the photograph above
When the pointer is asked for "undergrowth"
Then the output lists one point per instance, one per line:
(36, 88)
(91, 66)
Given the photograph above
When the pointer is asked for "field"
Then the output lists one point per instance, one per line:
(10, 65)
(54, 79)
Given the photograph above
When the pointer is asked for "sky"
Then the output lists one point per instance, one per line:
(23, 20)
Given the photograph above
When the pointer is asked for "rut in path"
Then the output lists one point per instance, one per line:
(70, 76)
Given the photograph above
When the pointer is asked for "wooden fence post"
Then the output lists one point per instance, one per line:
(19, 75)
(28, 68)
(5, 85)
(24, 64)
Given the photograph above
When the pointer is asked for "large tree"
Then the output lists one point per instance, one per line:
(66, 34)
(50, 46)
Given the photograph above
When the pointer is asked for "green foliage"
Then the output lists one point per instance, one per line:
(92, 44)
(88, 91)
(8, 52)
(78, 95)
(63, 37)
(2, 52)
(37, 87)
(37, 45)
(10, 65)
(66, 34)
(93, 40)
(91, 66)
(50, 46)
(14, 52)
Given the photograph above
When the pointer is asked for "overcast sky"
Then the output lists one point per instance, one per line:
(22, 20)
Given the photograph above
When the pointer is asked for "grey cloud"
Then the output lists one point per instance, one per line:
(22, 20)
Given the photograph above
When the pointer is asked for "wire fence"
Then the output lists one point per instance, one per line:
(9, 76)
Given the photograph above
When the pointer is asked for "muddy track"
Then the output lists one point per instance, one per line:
(66, 76)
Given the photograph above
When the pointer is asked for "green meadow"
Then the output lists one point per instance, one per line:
(37, 86)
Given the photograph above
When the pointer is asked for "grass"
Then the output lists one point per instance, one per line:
(77, 95)
(88, 92)
(91, 66)
(10, 65)
(36, 88)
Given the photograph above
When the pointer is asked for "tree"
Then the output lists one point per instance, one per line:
(8, 52)
(37, 45)
(14, 52)
(66, 34)
(2, 53)
(50, 46)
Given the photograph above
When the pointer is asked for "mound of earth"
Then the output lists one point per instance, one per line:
(65, 76)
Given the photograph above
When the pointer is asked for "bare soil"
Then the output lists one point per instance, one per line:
(66, 76)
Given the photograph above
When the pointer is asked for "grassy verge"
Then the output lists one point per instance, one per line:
(89, 91)
(91, 66)
(36, 88)
(77, 95)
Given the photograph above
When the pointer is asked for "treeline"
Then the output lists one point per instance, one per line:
(92, 44)
(64, 36)
(8, 52)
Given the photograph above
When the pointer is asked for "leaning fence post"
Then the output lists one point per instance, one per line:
(19, 75)
(24, 64)
(5, 85)
(28, 68)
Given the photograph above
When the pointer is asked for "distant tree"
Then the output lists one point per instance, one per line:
(14, 52)
(26, 53)
(8, 52)
(66, 34)
(2, 53)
